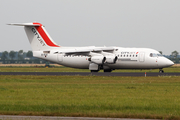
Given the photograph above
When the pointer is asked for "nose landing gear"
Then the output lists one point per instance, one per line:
(161, 71)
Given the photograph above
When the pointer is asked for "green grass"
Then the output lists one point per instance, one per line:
(67, 69)
(91, 96)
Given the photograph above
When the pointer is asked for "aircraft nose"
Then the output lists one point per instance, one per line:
(164, 62)
(169, 63)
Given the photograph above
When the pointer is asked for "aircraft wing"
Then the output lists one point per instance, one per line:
(87, 51)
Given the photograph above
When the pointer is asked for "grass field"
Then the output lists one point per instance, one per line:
(91, 96)
(67, 69)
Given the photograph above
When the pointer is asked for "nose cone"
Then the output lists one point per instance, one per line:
(169, 63)
(164, 62)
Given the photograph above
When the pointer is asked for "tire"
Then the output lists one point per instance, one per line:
(161, 71)
(109, 70)
(94, 70)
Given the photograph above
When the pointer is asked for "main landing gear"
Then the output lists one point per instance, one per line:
(161, 71)
(108, 70)
(94, 70)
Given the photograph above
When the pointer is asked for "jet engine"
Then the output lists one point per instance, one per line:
(97, 59)
(111, 59)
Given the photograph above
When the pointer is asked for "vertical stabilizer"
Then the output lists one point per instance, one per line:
(38, 36)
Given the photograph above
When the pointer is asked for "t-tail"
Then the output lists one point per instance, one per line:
(38, 37)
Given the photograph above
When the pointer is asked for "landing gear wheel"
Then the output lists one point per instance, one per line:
(109, 70)
(94, 70)
(161, 71)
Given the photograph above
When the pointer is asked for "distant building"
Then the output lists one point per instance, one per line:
(26, 58)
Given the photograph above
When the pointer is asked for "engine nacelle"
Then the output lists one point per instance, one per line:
(111, 59)
(97, 59)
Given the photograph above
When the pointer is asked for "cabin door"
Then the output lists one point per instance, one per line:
(141, 57)
(60, 57)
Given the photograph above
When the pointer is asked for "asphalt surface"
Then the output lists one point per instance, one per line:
(136, 74)
(13, 117)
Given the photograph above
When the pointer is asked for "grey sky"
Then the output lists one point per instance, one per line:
(124, 23)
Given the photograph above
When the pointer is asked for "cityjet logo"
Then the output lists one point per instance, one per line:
(38, 37)
(129, 53)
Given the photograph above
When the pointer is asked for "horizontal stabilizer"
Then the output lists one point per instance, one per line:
(26, 24)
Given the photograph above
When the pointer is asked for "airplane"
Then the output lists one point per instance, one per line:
(91, 57)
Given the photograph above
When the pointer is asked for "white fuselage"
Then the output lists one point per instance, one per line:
(128, 58)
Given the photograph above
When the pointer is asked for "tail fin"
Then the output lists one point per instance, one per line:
(38, 37)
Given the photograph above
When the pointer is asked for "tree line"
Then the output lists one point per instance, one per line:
(174, 56)
(27, 57)
(19, 57)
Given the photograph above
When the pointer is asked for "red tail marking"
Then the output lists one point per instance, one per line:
(44, 35)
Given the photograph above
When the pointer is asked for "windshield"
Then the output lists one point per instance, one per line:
(155, 55)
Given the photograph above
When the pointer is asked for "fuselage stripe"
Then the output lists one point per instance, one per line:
(45, 36)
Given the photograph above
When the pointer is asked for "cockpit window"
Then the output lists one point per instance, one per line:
(151, 55)
(159, 55)
(155, 55)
